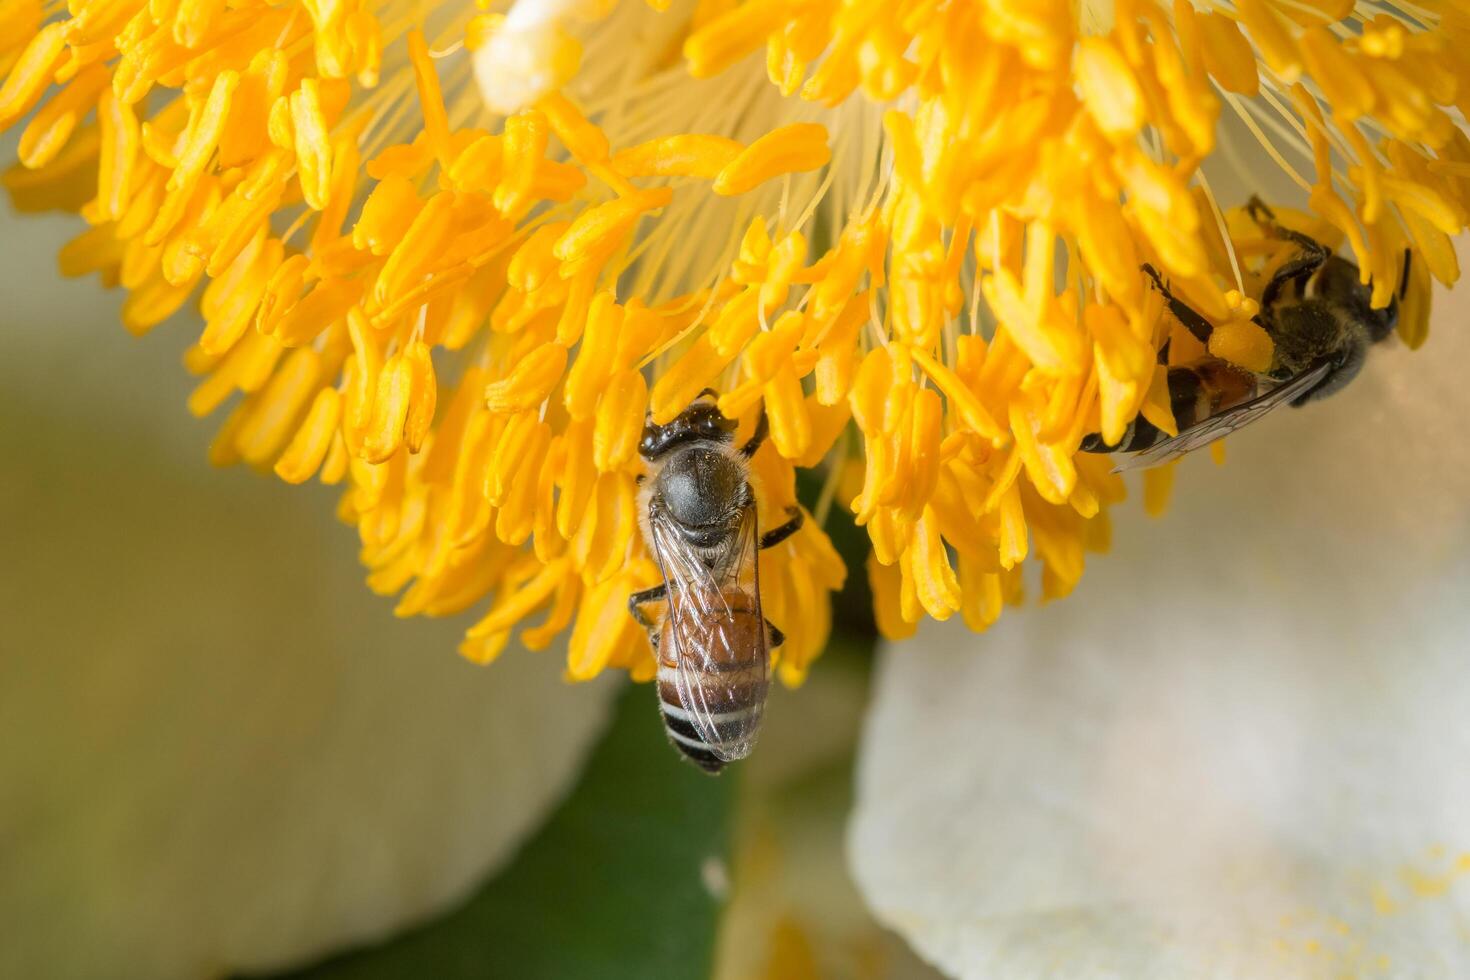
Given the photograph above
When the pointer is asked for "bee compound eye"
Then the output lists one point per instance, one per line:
(711, 424)
(654, 440)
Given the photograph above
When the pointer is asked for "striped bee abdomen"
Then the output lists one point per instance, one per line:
(1196, 392)
(712, 679)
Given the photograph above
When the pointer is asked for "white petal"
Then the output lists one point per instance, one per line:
(1239, 750)
(794, 910)
(219, 751)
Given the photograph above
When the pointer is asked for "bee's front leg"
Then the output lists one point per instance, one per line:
(1193, 320)
(762, 429)
(1260, 212)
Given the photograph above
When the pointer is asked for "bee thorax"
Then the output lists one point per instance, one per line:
(1307, 333)
(702, 486)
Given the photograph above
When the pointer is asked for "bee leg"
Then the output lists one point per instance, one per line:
(774, 637)
(1260, 213)
(776, 535)
(1193, 320)
(1301, 268)
(762, 429)
(1314, 253)
(1266, 219)
(637, 599)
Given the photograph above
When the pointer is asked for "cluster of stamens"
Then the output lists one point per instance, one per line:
(465, 317)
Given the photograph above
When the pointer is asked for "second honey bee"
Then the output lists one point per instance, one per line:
(698, 515)
(1318, 314)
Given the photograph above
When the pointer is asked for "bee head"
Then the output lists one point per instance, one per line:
(701, 421)
(1381, 323)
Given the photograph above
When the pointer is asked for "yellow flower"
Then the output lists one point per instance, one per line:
(451, 258)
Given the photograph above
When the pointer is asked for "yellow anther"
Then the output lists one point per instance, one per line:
(619, 423)
(423, 395)
(1269, 32)
(386, 216)
(726, 39)
(279, 406)
(601, 228)
(533, 263)
(523, 147)
(32, 73)
(203, 136)
(1228, 55)
(796, 148)
(683, 155)
(313, 148)
(583, 140)
(1108, 87)
(390, 410)
(309, 446)
(530, 382)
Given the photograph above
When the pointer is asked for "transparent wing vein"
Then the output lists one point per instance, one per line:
(1221, 425)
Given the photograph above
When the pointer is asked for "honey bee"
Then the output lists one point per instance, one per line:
(1317, 313)
(697, 512)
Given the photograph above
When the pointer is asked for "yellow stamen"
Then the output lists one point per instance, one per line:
(790, 149)
(929, 219)
(530, 382)
(684, 155)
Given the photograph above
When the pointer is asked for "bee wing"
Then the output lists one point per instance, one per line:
(1221, 425)
(718, 635)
